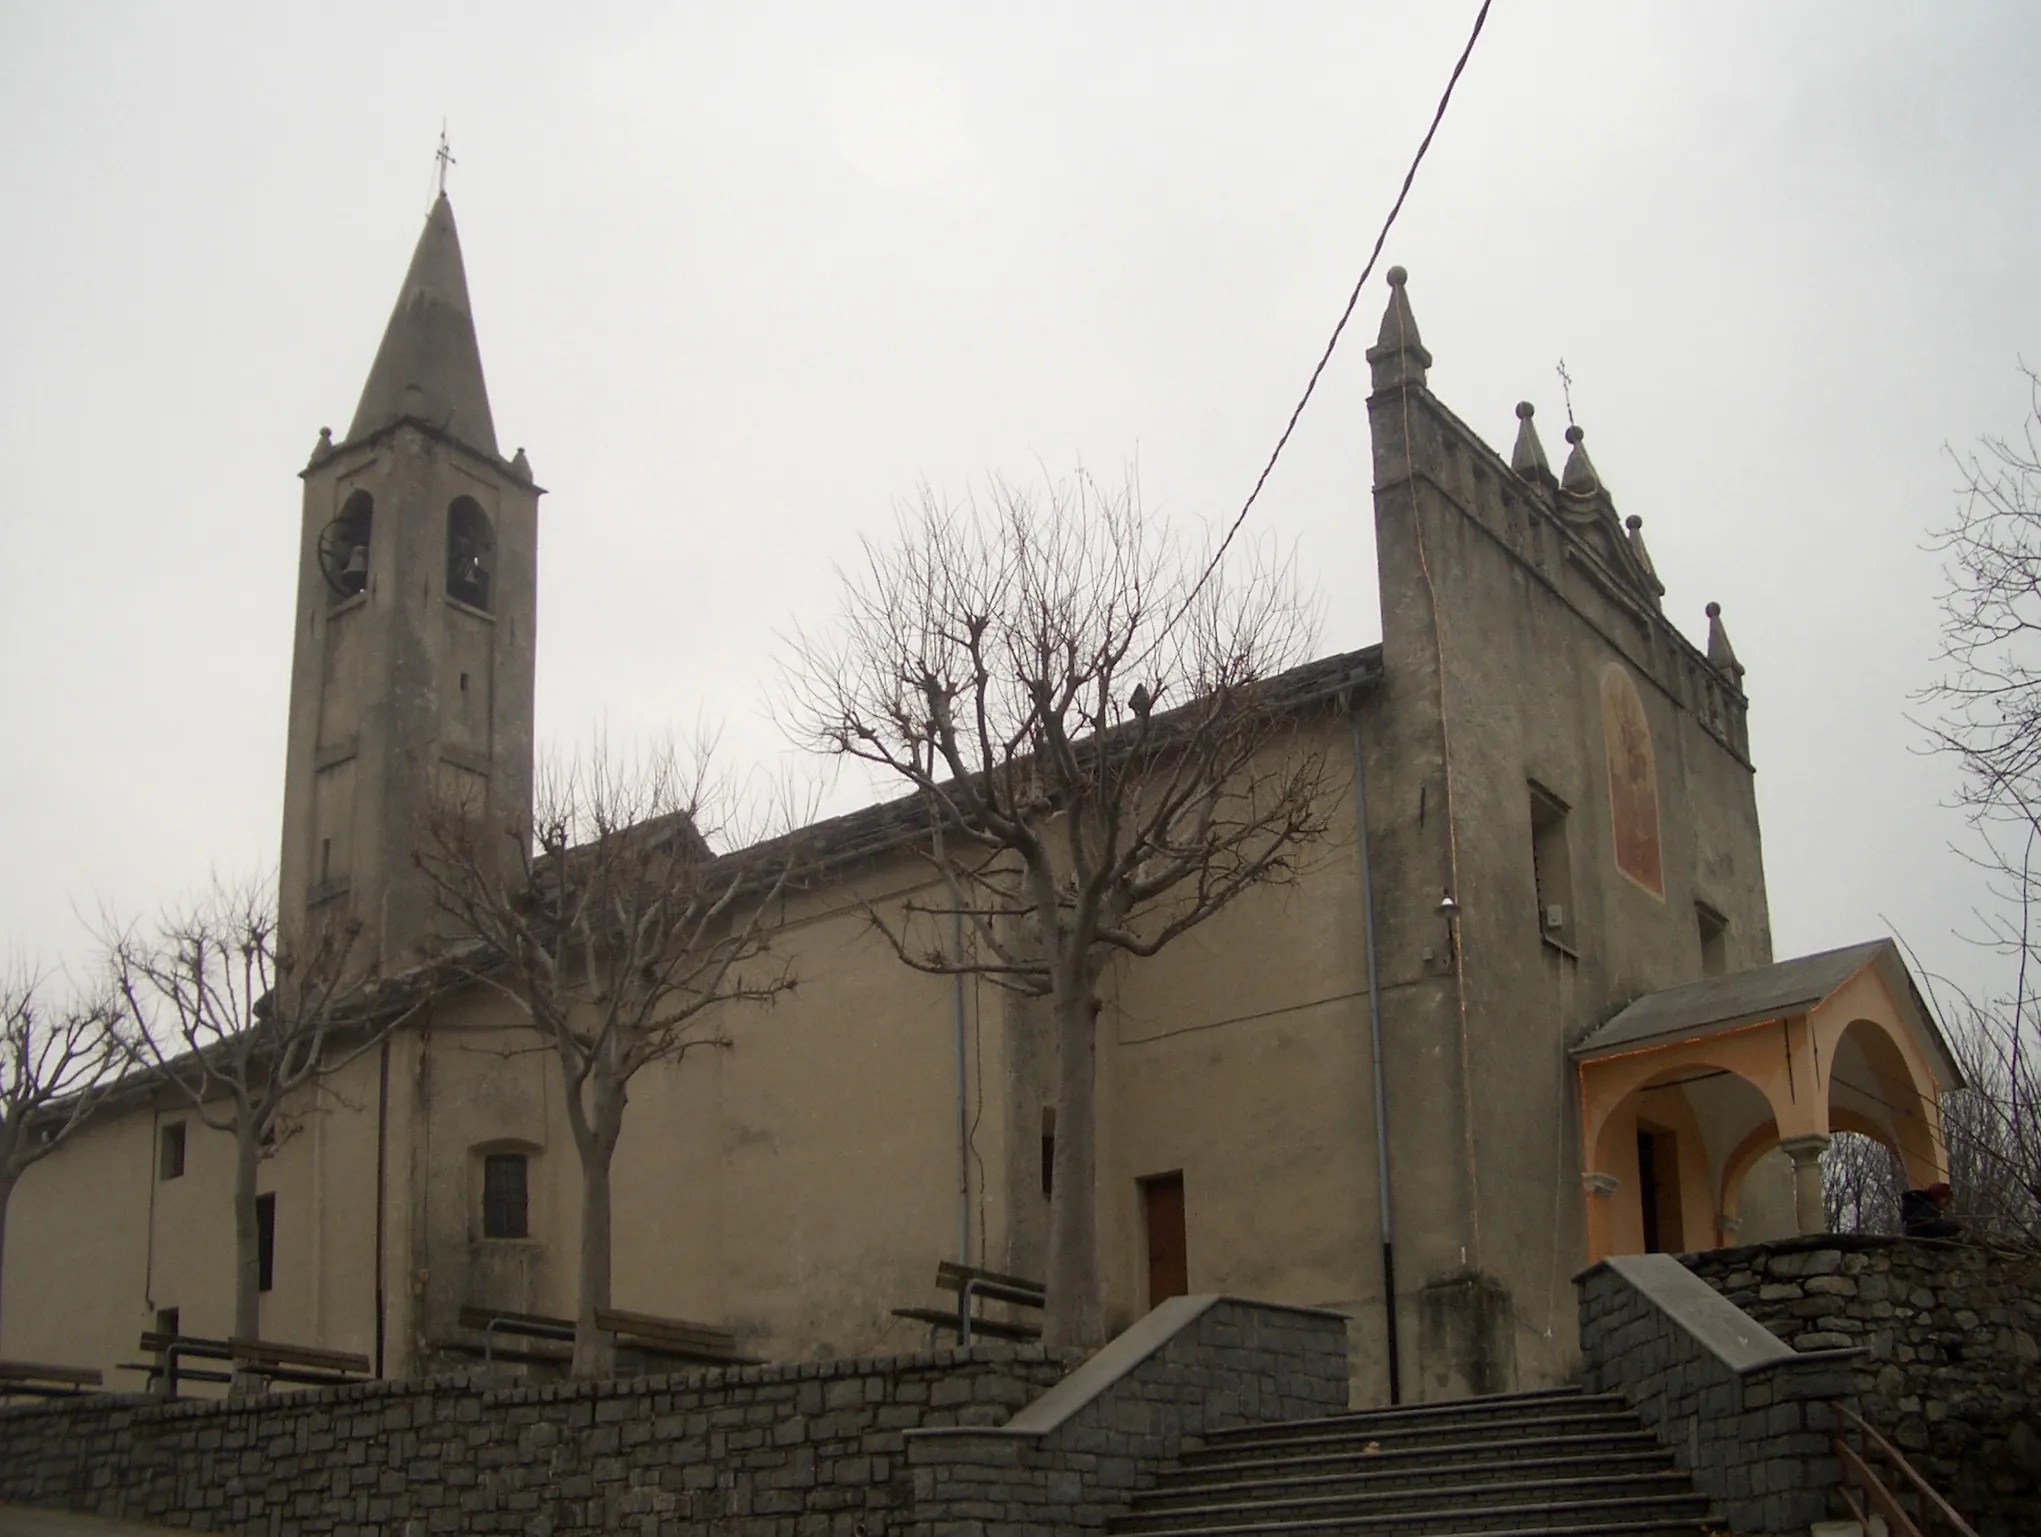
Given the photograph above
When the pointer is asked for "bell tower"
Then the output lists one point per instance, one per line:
(411, 674)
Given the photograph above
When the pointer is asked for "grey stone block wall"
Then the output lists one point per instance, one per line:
(1950, 1335)
(1742, 1412)
(932, 1443)
(1076, 1458)
(746, 1452)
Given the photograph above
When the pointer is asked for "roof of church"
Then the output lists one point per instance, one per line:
(1717, 1005)
(429, 367)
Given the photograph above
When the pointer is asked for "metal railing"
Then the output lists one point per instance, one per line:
(1888, 1492)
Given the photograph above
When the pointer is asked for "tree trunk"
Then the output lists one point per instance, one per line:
(1075, 1314)
(6, 1195)
(595, 1352)
(247, 1245)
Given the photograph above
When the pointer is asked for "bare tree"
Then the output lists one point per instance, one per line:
(241, 1029)
(1104, 760)
(1987, 716)
(620, 938)
(56, 1061)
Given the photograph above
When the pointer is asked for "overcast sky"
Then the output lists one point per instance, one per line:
(745, 274)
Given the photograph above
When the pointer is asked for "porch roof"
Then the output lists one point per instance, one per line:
(1717, 1005)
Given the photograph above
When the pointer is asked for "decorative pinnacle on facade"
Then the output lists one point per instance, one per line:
(1398, 357)
(1528, 457)
(429, 367)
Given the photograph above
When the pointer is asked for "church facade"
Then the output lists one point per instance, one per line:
(1520, 1010)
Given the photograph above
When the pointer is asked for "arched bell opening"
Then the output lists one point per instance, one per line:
(344, 547)
(470, 553)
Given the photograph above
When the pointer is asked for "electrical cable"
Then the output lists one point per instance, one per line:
(1353, 299)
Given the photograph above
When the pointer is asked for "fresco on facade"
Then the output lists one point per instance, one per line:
(1633, 781)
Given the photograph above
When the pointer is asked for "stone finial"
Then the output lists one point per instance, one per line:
(323, 447)
(1528, 457)
(520, 466)
(1398, 357)
(1722, 655)
(1579, 475)
(1635, 525)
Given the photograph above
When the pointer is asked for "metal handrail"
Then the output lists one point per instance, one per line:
(997, 1291)
(1886, 1501)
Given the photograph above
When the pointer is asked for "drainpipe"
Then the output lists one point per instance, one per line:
(382, 1189)
(963, 1110)
(1375, 1045)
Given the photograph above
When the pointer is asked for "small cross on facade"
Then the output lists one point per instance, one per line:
(445, 157)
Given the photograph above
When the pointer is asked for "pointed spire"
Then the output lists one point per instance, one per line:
(429, 366)
(1722, 655)
(1398, 357)
(1528, 457)
(1579, 475)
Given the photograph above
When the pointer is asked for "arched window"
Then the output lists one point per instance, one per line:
(344, 547)
(470, 552)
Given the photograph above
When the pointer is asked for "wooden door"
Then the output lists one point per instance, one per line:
(1168, 1258)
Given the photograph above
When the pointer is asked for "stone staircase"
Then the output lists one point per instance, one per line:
(1560, 1463)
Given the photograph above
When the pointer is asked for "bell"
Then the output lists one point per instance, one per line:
(356, 571)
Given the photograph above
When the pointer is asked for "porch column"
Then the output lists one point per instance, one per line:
(1809, 1212)
(1599, 1188)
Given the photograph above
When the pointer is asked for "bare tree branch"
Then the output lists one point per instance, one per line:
(1101, 755)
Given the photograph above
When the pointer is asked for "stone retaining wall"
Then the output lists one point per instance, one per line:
(745, 1452)
(1742, 1412)
(929, 1444)
(1071, 1460)
(1951, 1342)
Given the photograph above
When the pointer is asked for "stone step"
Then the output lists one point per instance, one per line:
(1337, 1455)
(1463, 1504)
(1493, 1405)
(1331, 1434)
(1181, 1488)
(1570, 1526)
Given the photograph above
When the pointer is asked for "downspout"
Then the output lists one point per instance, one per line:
(382, 1188)
(1375, 1052)
(963, 1110)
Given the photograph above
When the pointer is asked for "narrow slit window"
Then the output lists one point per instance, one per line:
(1714, 932)
(1048, 1153)
(1552, 869)
(505, 1196)
(265, 1242)
(170, 1151)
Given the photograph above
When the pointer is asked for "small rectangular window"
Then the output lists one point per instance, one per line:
(1552, 869)
(265, 1242)
(166, 1321)
(1714, 932)
(170, 1154)
(504, 1203)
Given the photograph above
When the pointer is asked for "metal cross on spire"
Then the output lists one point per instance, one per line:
(444, 156)
(1566, 389)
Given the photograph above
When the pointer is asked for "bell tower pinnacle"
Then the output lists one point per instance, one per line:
(411, 676)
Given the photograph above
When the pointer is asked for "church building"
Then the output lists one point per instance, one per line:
(1522, 1012)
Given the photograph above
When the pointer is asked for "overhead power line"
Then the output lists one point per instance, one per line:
(1353, 299)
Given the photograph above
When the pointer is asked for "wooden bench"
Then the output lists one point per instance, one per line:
(970, 1284)
(672, 1339)
(268, 1359)
(38, 1379)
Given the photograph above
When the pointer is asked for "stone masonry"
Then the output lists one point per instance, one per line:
(1741, 1411)
(1074, 1458)
(824, 1449)
(1950, 1335)
(748, 1452)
